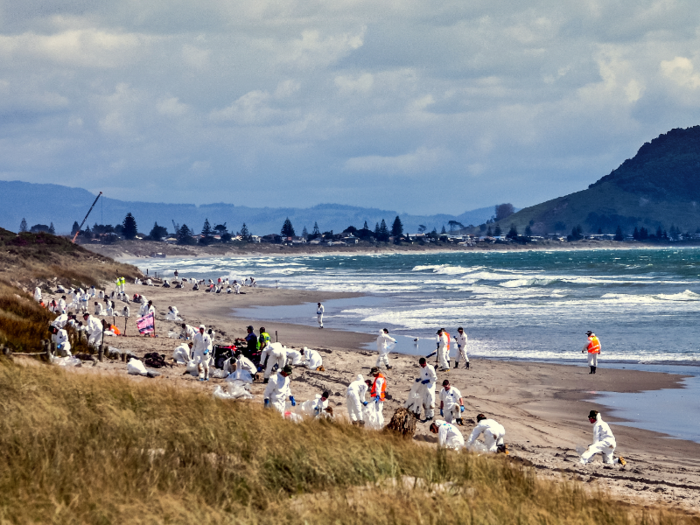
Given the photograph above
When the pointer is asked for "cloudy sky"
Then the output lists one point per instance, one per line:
(422, 107)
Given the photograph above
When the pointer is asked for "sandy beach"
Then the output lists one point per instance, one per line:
(542, 406)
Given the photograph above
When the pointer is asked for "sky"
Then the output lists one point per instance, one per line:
(419, 107)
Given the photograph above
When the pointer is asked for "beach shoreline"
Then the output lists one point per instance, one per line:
(543, 406)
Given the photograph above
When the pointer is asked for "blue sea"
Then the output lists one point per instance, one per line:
(643, 304)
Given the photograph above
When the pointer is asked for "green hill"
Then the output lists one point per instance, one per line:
(658, 187)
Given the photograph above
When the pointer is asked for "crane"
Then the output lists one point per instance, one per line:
(176, 226)
(86, 216)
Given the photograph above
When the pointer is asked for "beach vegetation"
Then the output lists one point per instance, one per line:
(130, 230)
(82, 448)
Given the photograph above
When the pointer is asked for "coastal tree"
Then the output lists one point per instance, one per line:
(23, 226)
(129, 227)
(454, 224)
(52, 230)
(245, 233)
(397, 227)
(489, 232)
(288, 229)
(75, 228)
(206, 229)
(503, 211)
(37, 228)
(221, 229)
(184, 236)
(304, 233)
(422, 228)
(443, 231)
(498, 232)
(513, 232)
(383, 232)
(528, 231)
(158, 232)
(618, 234)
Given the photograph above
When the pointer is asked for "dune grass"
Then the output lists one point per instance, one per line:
(88, 448)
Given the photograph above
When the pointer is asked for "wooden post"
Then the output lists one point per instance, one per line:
(126, 322)
(100, 353)
(47, 349)
(276, 340)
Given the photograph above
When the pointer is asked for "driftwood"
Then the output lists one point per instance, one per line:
(403, 423)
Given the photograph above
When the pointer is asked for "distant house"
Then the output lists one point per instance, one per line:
(351, 239)
(315, 241)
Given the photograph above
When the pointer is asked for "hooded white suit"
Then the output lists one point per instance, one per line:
(603, 442)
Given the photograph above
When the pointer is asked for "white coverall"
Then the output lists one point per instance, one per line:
(173, 314)
(98, 309)
(201, 354)
(461, 341)
(383, 342)
(312, 359)
(603, 442)
(450, 402)
(143, 310)
(62, 344)
(449, 436)
(243, 364)
(427, 373)
(355, 397)
(443, 352)
(60, 321)
(319, 315)
(93, 327)
(62, 306)
(37, 294)
(493, 434)
(237, 287)
(278, 391)
(275, 354)
(294, 357)
(378, 402)
(592, 356)
(182, 354)
(188, 333)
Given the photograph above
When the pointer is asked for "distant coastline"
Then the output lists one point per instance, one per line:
(126, 250)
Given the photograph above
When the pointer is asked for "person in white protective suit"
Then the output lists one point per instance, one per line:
(173, 314)
(188, 332)
(237, 287)
(62, 305)
(275, 354)
(60, 338)
(312, 359)
(109, 311)
(317, 407)
(60, 321)
(93, 328)
(355, 399)
(201, 353)
(378, 394)
(278, 391)
(443, 351)
(143, 310)
(383, 342)
(294, 357)
(427, 379)
(319, 314)
(240, 367)
(183, 353)
(451, 403)
(449, 436)
(493, 434)
(603, 442)
(126, 312)
(37, 294)
(461, 340)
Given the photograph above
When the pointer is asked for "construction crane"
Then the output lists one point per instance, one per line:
(176, 226)
(86, 216)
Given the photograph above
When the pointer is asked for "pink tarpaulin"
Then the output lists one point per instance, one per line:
(146, 324)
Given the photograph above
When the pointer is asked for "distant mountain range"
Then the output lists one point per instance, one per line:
(658, 187)
(62, 205)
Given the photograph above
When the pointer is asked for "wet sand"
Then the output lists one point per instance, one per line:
(542, 406)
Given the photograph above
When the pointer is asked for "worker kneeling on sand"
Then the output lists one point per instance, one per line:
(312, 359)
(276, 355)
(493, 434)
(278, 391)
(93, 328)
(449, 436)
(355, 399)
(603, 441)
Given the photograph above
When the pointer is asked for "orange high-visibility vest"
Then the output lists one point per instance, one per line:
(593, 345)
(449, 338)
(373, 392)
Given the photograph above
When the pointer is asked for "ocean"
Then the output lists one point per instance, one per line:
(644, 305)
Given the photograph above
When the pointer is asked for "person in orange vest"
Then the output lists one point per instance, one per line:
(378, 393)
(593, 349)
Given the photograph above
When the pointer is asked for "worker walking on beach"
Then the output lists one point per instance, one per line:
(378, 394)
(319, 314)
(383, 342)
(493, 434)
(201, 353)
(461, 340)
(593, 349)
(449, 436)
(355, 399)
(442, 351)
(603, 441)
(278, 391)
(427, 378)
(451, 403)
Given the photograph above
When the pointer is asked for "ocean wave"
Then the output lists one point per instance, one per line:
(517, 283)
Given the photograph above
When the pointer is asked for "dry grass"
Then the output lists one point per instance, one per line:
(82, 448)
